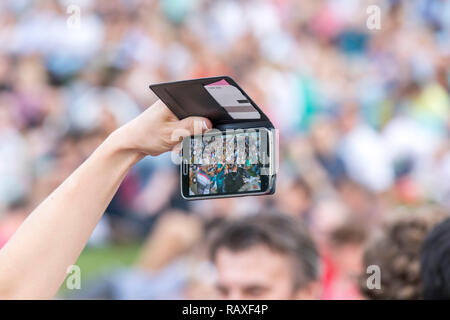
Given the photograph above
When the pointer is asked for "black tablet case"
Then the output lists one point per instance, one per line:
(189, 98)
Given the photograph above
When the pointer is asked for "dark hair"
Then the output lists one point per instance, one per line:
(435, 262)
(351, 232)
(396, 251)
(280, 233)
(301, 183)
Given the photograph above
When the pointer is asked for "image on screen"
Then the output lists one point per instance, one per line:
(225, 164)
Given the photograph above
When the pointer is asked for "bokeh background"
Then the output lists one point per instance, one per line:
(363, 118)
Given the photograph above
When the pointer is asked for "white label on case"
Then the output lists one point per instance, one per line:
(230, 97)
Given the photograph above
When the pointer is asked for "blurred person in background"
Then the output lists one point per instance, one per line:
(266, 256)
(172, 264)
(435, 262)
(294, 197)
(324, 139)
(396, 251)
(343, 263)
(363, 151)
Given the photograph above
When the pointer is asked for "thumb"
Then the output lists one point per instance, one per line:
(194, 125)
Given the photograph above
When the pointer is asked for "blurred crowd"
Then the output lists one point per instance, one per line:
(363, 118)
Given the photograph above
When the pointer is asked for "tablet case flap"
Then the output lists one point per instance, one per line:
(219, 99)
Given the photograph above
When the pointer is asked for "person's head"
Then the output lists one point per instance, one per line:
(324, 136)
(349, 115)
(326, 216)
(266, 256)
(346, 244)
(343, 253)
(295, 197)
(435, 262)
(396, 251)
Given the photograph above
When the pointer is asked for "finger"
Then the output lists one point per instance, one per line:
(177, 148)
(160, 108)
(194, 125)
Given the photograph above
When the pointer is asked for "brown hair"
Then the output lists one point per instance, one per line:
(280, 233)
(396, 251)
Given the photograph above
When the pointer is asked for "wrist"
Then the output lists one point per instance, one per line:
(117, 145)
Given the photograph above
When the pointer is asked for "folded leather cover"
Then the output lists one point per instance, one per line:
(191, 98)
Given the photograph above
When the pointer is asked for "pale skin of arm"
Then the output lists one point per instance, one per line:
(33, 264)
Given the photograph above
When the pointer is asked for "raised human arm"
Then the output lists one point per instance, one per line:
(33, 263)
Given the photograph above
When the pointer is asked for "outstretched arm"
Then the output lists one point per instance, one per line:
(33, 263)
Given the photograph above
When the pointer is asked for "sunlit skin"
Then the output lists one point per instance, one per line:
(258, 273)
(33, 263)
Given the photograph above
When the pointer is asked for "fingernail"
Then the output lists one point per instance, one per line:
(205, 125)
